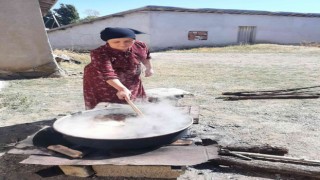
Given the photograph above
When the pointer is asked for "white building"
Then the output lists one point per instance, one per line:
(171, 27)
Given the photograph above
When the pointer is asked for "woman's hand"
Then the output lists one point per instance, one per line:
(124, 93)
(148, 72)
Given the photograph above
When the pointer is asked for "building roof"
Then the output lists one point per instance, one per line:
(202, 10)
(230, 11)
(45, 5)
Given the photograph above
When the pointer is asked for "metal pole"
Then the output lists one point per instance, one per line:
(54, 17)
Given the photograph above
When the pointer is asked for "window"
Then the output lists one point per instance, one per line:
(247, 34)
(197, 35)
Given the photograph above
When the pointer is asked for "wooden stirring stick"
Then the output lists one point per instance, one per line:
(134, 107)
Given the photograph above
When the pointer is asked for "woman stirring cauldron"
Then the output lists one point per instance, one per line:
(115, 68)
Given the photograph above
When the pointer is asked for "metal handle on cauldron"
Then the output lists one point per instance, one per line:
(134, 107)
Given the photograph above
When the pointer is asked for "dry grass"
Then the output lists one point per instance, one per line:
(226, 69)
(83, 57)
(206, 72)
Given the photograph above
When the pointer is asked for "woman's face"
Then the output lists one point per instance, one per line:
(122, 44)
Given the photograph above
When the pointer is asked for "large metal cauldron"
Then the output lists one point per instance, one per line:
(119, 128)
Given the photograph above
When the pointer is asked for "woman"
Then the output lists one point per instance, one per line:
(115, 68)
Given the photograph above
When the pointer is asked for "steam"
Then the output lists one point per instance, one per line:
(160, 119)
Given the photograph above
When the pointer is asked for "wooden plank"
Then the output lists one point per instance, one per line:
(279, 158)
(66, 151)
(181, 142)
(78, 171)
(165, 172)
(272, 167)
(264, 149)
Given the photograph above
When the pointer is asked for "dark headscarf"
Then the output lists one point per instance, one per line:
(112, 33)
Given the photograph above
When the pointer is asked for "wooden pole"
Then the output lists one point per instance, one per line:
(278, 158)
(55, 19)
(264, 149)
(134, 107)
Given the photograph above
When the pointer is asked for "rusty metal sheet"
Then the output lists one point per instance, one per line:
(169, 155)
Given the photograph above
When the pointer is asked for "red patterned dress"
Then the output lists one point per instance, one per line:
(108, 63)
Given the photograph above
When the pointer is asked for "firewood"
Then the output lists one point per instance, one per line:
(264, 149)
(270, 97)
(279, 158)
(266, 166)
(227, 152)
(269, 91)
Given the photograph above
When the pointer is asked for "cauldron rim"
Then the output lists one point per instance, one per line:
(117, 139)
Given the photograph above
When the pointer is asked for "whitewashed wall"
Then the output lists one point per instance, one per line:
(24, 46)
(87, 36)
(170, 29)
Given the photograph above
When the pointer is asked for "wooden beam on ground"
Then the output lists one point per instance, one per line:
(163, 172)
(231, 98)
(279, 158)
(78, 171)
(268, 91)
(267, 166)
(264, 149)
(271, 93)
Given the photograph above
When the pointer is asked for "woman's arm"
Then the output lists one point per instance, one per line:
(123, 92)
(149, 71)
(104, 66)
(146, 58)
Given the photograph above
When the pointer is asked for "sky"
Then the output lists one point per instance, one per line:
(106, 7)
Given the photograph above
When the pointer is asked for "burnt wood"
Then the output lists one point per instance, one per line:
(264, 149)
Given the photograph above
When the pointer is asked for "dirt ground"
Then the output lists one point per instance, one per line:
(27, 105)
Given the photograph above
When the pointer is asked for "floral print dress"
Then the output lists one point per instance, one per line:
(108, 63)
